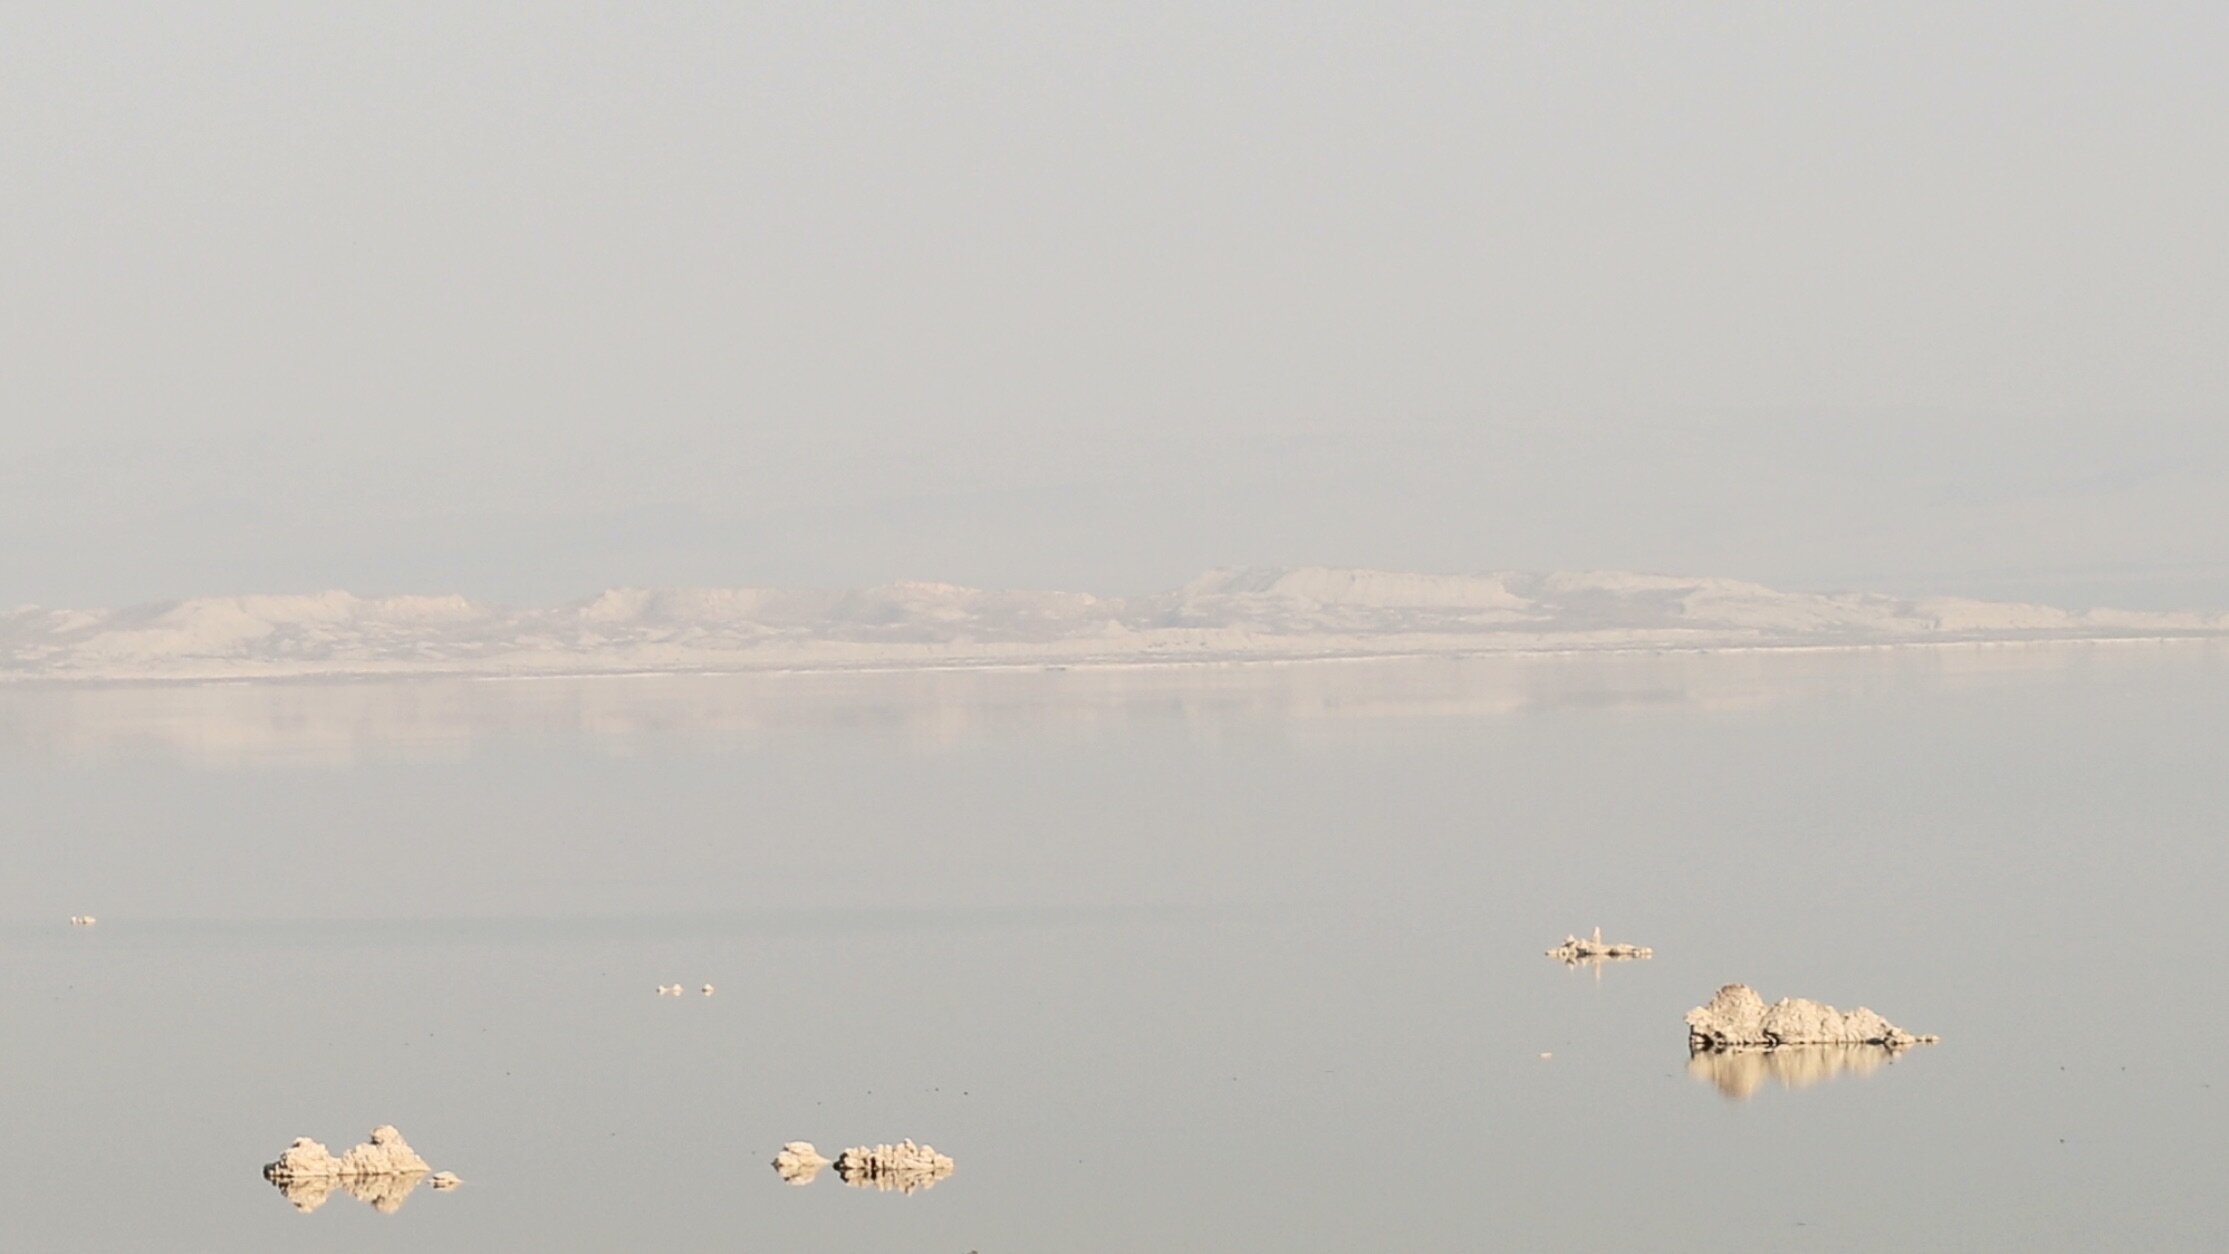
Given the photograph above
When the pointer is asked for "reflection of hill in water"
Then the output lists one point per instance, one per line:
(1740, 1073)
(339, 721)
(385, 1194)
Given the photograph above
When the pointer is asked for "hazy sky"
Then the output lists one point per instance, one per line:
(525, 300)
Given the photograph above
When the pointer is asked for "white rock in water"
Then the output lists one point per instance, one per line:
(903, 1167)
(799, 1162)
(386, 1154)
(444, 1180)
(1737, 1018)
(82, 920)
(1577, 949)
(381, 1172)
(304, 1160)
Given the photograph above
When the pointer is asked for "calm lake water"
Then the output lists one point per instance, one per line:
(1209, 959)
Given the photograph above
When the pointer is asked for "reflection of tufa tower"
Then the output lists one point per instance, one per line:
(1740, 1073)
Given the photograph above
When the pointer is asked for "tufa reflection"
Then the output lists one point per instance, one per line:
(1740, 1073)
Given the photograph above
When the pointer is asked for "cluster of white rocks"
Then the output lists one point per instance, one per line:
(82, 920)
(676, 990)
(1739, 1043)
(1736, 1018)
(901, 1168)
(381, 1172)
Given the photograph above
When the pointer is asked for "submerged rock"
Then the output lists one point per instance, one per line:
(1577, 949)
(381, 1172)
(1737, 1018)
(903, 1167)
(799, 1162)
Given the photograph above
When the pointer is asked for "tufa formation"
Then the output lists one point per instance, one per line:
(1737, 1018)
(1578, 949)
(381, 1172)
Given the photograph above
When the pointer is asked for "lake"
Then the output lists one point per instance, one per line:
(1241, 957)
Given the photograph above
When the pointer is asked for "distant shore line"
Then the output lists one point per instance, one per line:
(1094, 663)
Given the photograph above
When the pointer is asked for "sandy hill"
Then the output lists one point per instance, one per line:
(1224, 615)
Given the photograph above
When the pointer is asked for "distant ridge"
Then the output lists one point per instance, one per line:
(1224, 615)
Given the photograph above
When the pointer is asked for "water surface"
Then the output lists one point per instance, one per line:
(1206, 958)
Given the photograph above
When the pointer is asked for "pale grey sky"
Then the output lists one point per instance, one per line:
(525, 300)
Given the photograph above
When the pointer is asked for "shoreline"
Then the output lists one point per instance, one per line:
(1055, 662)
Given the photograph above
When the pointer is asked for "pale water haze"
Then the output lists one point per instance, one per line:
(1196, 958)
(525, 301)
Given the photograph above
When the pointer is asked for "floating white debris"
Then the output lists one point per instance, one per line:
(82, 920)
(708, 990)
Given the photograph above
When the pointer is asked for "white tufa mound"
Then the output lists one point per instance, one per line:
(1578, 949)
(380, 1172)
(1737, 1018)
(799, 1162)
(903, 1167)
